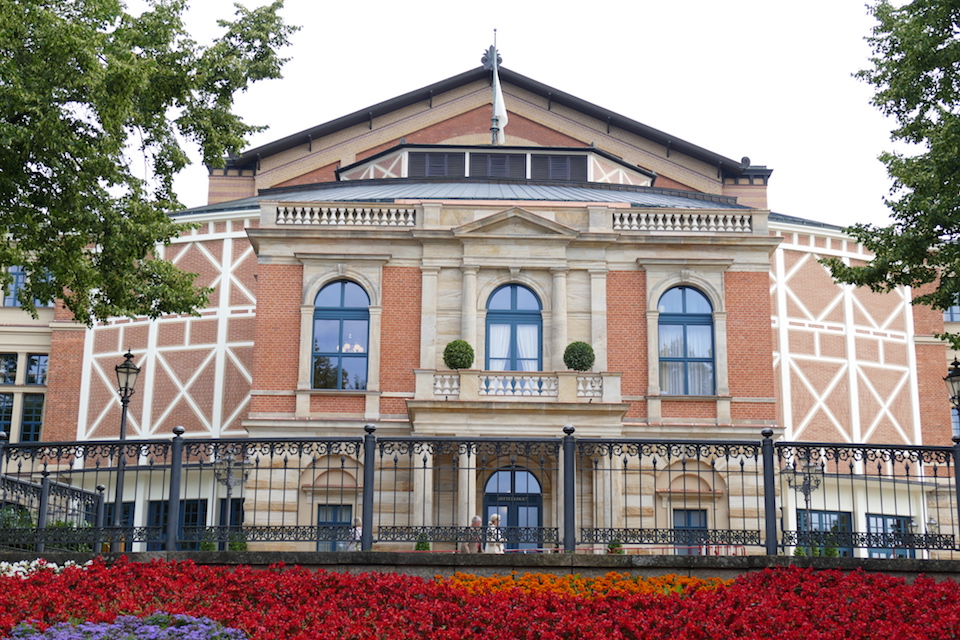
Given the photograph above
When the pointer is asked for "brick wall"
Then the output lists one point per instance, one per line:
(706, 410)
(627, 330)
(400, 329)
(749, 339)
(478, 121)
(61, 411)
(277, 335)
(936, 424)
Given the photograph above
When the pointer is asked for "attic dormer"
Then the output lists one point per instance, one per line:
(568, 164)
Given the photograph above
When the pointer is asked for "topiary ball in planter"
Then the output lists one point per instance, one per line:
(458, 355)
(579, 356)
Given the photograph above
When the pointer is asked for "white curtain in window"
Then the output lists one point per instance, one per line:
(498, 347)
(528, 346)
(671, 378)
(701, 379)
(699, 341)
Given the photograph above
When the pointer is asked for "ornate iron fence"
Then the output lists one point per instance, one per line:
(689, 496)
(406, 493)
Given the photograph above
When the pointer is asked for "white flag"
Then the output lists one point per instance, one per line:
(499, 108)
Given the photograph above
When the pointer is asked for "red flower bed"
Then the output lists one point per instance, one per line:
(292, 603)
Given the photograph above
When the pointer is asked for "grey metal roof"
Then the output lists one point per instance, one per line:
(784, 218)
(392, 190)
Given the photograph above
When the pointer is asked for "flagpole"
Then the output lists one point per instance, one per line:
(495, 121)
(499, 119)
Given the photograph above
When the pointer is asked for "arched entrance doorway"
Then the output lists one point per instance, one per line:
(516, 495)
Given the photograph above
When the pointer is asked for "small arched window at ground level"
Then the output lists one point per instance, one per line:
(341, 329)
(686, 343)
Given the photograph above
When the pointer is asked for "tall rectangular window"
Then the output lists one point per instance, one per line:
(31, 418)
(332, 516)
(6, 412)
(37, 365)
(8, 368)
(689, 531)
(10, 296)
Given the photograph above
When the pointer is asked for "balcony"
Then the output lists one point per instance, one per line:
(518, 386)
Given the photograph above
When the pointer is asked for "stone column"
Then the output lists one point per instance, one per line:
(559, 334)
(598, 317)
(466, 487)
(428, 317)
(468, 317)
(422, 468)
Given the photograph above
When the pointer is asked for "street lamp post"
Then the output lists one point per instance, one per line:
(953, 384)
(953, 389)
(806, 481)
(230, 472)
(127, 373)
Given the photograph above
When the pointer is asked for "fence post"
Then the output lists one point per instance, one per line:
(956, 483)
(173, 501)
(42, 513)
(98, 519)
(569, 490)
(769, 492)
(369, 460)
(4, 439)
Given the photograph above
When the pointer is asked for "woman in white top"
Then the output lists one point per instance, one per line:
(356, 535)
(495, 537)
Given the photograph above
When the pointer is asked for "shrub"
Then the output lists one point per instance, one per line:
(579, 356)
(458, 355)
(422, 543)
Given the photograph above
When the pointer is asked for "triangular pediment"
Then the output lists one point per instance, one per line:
(513, 223)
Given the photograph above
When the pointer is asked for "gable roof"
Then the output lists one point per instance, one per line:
(249, 158)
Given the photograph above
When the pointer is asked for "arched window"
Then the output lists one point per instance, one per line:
(513, 329)
(341, 326)
(515, 494)
(686, 343)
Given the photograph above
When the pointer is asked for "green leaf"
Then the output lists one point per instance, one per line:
(95, 105)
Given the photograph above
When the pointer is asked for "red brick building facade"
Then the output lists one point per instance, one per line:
(710, 317)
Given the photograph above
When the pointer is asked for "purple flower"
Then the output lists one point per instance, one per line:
(159, 626)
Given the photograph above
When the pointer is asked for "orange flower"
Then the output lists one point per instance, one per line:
(611, 584)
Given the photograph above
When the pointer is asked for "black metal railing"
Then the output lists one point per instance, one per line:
(406, 493)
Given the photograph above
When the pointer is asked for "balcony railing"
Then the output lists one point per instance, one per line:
(567, 492)
(560, 386)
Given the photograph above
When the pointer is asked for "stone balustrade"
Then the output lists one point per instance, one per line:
(514, 386)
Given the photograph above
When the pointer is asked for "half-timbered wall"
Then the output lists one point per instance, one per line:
(195, 370)
(847, 358)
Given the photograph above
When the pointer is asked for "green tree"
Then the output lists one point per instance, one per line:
(916, 76)
(96, 104)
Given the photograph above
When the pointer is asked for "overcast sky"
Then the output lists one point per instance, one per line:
(767, 79)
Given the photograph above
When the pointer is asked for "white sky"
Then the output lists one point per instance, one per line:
(767, 79)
